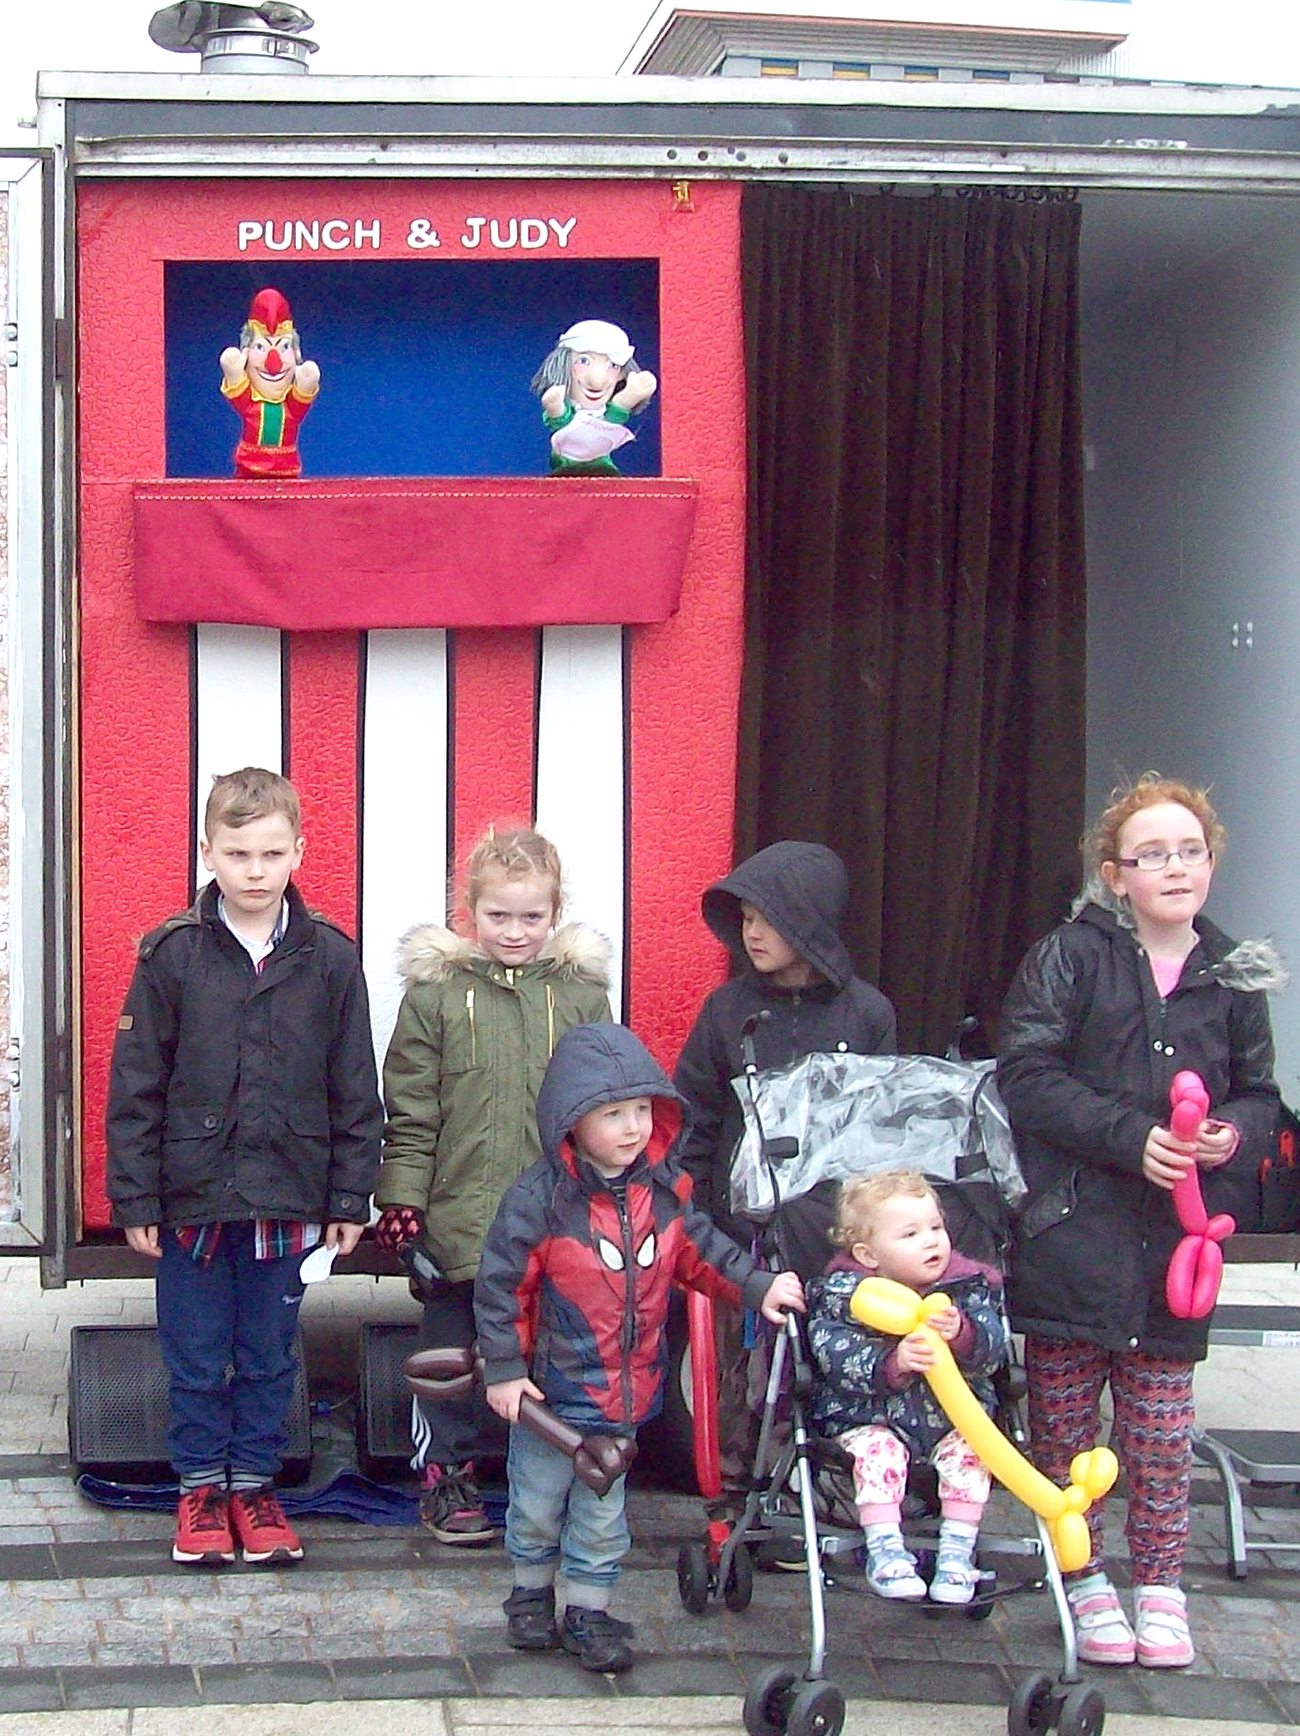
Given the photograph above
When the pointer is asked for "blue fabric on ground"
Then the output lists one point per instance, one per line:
(348, 1495)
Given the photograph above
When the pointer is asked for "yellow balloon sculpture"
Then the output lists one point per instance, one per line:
(889, 1307)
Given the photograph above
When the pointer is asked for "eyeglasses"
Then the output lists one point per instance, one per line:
(1155, 856)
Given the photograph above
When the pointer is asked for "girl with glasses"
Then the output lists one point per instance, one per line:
(1102, 1014)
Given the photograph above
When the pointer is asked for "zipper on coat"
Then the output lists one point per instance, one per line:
(550, 1021)
(473, 1032)
(629, 1309)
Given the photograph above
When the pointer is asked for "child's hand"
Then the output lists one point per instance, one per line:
(344, 1237)
(1166, 1160)
(1215, 1143)
(143, 1239)
(785, 1291)
(915, 1353)
(398, 1225)
(503, 1397)
(947, 1323)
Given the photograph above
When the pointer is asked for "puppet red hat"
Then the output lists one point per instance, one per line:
(269, 313)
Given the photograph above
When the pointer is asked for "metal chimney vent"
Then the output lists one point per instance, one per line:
(236, 39)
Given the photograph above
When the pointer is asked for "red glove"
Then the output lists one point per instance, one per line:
(398, 1226)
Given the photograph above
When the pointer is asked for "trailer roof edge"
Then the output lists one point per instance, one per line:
(654, 91)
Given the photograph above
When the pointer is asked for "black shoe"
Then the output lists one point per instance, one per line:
(595, 1639)
(530, 1619)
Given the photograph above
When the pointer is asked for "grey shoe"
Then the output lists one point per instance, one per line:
(530, 1619)
(595, 1639)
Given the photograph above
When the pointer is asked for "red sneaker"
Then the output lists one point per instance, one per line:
(203, 1536)
(261, 1527)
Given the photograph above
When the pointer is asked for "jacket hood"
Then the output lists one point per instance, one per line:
(595, 1064)
(431, 953)
(1250, 965)
(802, 890)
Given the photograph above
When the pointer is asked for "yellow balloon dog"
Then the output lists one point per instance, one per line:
(889, 1307)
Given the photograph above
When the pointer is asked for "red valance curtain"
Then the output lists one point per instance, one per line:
(914, 670)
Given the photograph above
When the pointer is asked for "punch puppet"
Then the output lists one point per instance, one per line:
(270, 388)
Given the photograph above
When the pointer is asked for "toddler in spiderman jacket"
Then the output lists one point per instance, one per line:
(571, 1302)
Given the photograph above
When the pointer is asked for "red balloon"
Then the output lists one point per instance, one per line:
(1188, 1203)
(1196, 1265)
(1185, 1122)
(1209, 1275)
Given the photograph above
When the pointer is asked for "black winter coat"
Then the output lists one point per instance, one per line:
(573, 1285)
(235, 1095)
(802, 890)
(1088, 1051)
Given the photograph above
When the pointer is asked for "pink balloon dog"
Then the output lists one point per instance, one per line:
(1196, 1266)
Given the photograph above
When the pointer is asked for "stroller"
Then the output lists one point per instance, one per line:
(808, 1127)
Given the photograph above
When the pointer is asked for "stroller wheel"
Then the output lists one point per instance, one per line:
(1083, 1712)
(738, 1592)
(767, 1702)
(694, 1577)
(1031, 1710)
(816, 1709)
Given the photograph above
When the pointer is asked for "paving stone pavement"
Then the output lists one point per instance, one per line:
(100, 1632)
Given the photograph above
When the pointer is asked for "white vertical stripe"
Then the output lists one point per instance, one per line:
(404, 818)
(240, 708)
(580, 775)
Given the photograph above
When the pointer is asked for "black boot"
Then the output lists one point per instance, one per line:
(595, 1639)
(530, 1619)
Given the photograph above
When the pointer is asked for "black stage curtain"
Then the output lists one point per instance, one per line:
(913, 690)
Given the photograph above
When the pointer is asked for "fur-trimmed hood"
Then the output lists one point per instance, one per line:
(430, 953)
(1251, 965)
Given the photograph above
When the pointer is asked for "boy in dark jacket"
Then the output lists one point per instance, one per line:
(874, 1397)
(243, 1122)
(781, 912)
(571, 1300)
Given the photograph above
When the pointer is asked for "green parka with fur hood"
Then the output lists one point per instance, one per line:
(461, 1076)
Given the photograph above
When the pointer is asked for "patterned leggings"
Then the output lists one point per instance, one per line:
(1152, 1436)
(880, 1461)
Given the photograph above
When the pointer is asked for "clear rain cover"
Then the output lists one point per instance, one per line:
(852, 1114)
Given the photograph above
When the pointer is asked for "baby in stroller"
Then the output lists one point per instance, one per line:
(873, 1397)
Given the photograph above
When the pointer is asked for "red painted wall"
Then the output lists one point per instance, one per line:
(134, 822)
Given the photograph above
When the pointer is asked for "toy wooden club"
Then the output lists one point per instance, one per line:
(598, 1460)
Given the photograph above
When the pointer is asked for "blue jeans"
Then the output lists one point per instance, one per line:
(553, 1519)
(226, 1332)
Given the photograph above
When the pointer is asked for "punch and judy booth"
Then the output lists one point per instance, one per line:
(427, 629)
(832, 586)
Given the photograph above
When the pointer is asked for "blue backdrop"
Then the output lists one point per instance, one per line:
(424, 368)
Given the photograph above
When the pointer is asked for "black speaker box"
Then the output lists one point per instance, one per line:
(117, 1407)
(383, 1399)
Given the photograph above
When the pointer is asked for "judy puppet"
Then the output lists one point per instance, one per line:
(589, 387)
